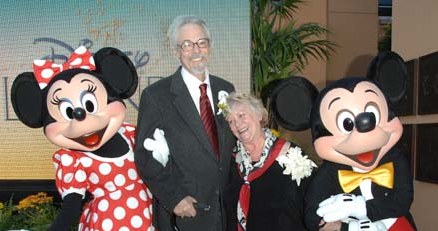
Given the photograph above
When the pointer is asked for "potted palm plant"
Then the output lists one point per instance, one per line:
(280, 47)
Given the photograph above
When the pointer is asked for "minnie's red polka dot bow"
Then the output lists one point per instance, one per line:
(45, 70)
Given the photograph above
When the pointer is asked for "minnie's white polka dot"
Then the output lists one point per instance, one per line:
(107, 224)
(110, 186)
(66, 160)
(80, 176)
(89, 218)
(142, 195)
(86, 161)
(91, 60)
(146, 213)
(130, 187)
(81, 50)
(124, 228)
(103, 205)
(98, 192)
(59, 174)
(95, 217)
(136, 221)
(132, 203)
(76, 62)
(86, 211)
(132, 174)
(94, 178)
(119, 163)
(149, 193)
(57, 156)
(68, 177)
(119, 213)
(47, 73)
(39, 62)
(151, 228)
(119, 180)
(104, 168)
(116, 195)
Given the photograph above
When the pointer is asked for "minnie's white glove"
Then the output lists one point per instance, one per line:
(366, 225)
(341, 207)
(158, 146)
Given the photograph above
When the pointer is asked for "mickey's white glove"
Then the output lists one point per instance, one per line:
(366, 225)
(158, 147)
(341, 207)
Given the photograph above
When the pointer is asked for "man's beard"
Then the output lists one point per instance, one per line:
(200, 67)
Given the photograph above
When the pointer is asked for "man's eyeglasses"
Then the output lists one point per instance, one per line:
(188, 45)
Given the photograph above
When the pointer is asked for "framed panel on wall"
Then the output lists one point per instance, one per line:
(406, 105)
(406, 144)
(428, 84)
(426, 155)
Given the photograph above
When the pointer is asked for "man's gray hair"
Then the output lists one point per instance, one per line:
(179, 22)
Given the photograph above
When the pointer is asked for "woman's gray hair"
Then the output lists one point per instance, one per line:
(253, 102)
(181, 21)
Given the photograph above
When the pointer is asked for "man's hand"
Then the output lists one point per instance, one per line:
(185, 207)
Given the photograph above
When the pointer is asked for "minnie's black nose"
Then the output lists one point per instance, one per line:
(79, 114)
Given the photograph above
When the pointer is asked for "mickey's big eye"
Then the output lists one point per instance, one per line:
(345, 122)
(66, 108)
(373, 108)
(89, 102)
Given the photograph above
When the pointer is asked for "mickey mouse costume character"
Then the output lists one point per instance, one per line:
(80, 106)
(364, 182)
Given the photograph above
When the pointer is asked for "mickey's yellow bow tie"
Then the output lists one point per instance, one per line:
(383, 176)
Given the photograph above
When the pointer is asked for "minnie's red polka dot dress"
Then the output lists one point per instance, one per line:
(121, 201)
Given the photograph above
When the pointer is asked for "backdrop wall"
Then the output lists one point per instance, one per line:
(45, 30)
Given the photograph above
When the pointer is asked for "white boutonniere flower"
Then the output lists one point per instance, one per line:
(296, 165)
(222, 105)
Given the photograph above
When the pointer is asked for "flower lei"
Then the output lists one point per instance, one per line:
(296, 165)
(244, 160)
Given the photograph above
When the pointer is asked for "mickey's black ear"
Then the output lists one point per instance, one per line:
(291, 102)
(117, 70)
(27, 100)
(389, 71)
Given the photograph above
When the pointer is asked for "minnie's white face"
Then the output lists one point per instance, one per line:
(356, 140)
(84, 118)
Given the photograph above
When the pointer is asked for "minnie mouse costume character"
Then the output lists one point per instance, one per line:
(364, 182)
(80, 106)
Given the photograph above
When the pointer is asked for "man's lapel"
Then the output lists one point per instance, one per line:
(188, 111)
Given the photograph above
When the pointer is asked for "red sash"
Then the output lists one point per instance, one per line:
(245, 192)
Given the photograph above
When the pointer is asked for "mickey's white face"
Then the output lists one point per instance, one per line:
(358, 122)
(84, 118)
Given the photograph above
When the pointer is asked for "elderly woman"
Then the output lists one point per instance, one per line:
(268, 178)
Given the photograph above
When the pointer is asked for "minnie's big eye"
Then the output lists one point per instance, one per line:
(66, 109)
(89, 102)
(345, 122)
(372, 108)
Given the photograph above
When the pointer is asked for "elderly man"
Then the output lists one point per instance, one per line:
(188, 187)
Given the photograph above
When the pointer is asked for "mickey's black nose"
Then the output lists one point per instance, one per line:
(365, 122)
(79, 114)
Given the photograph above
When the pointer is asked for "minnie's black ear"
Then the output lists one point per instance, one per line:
(117, 70)
(27, 100)
(389, 71)
(292, 101)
